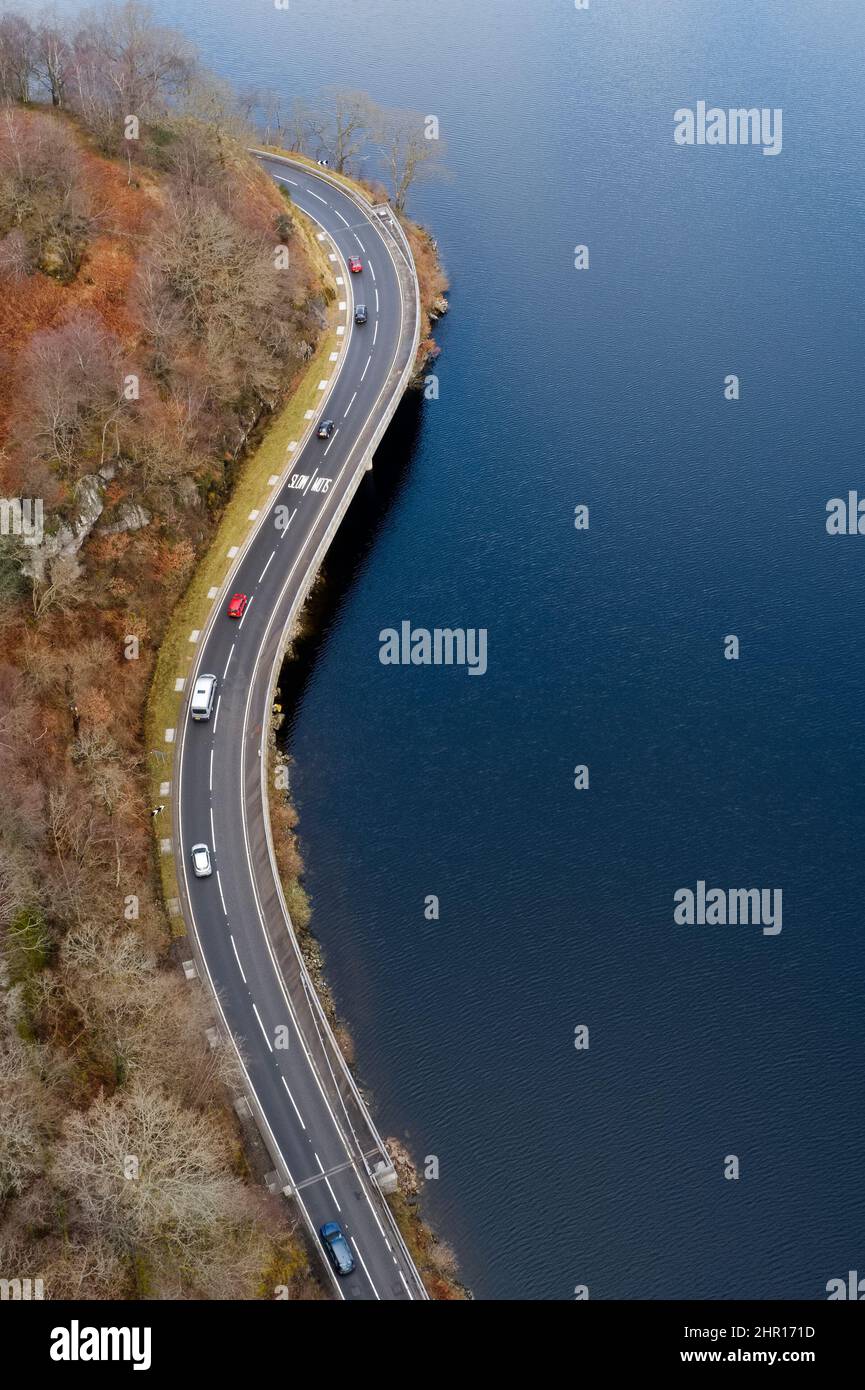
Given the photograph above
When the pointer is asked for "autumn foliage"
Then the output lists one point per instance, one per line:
(146, 333)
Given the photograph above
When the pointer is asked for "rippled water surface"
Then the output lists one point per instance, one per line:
(605, 1167)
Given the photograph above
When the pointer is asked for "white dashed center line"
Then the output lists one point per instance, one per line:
(350, 404)
(261, 1026)
(375, 333)
(228, 662)
(237, 958)
(219, 886)
(366, 368)
(316, 195)
(310, 483)
(371, 270)
(291, 1098)
(360, 243)
(264, 571)
(327, 1180)
(341, 218)
(333, 441)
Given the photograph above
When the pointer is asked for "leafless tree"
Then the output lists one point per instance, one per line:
(300, 127)
(178, 1195)
(72, 397)
(123, 64)
(342, 125)
(18, 62)
(224, 282)
(15, 259)
(59, 589)
(53, 59)
(409, 155)
(273, 118)
(42, 194)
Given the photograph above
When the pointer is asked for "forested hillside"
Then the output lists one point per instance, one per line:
(157, 302)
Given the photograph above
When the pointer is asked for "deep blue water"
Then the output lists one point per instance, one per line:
(604, 387)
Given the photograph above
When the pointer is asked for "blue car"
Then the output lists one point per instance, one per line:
(337, 1248)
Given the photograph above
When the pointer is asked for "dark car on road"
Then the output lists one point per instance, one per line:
(337, 1248)
(360, 314)
(325, 429)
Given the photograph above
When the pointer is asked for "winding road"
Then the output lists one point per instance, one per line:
(326, 1151)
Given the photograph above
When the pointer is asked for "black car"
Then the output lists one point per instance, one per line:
(360, 314)
(325, 429)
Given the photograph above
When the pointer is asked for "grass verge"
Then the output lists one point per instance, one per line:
(252, 493)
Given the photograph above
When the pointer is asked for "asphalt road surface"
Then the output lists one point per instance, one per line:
(317, 1130)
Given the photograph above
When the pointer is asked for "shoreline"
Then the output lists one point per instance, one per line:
(435, 1260)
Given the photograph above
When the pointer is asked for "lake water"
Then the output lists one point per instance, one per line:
(604, 387)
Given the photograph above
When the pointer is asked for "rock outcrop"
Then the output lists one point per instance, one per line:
(67, 540)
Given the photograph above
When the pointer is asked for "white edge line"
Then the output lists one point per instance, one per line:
(237, 958)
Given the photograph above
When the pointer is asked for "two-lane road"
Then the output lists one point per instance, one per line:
(315, 1125)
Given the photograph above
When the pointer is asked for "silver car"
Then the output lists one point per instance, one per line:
(201, 865)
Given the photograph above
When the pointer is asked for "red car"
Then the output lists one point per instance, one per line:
(237, 606)
(355, 265)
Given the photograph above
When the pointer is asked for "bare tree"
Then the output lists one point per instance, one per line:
(249, 100)
(300, 127)
(42, 193)
(18, 63)
(178, 1194)
(123, 64)
(212, 102)
(15, 259)
(60, 589)
(21, 1116)
(53, 58)
(408, 152)
(224, 281)
(273, 118)
(72, 397)
(343, 126)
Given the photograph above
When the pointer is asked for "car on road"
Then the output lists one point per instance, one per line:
(355, 265)
(325, 429)
(337, 1248)
(201, 704)
(360, 314)
(237, 606)
(201, 865)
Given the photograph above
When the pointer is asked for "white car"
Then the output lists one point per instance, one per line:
(201, 865)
